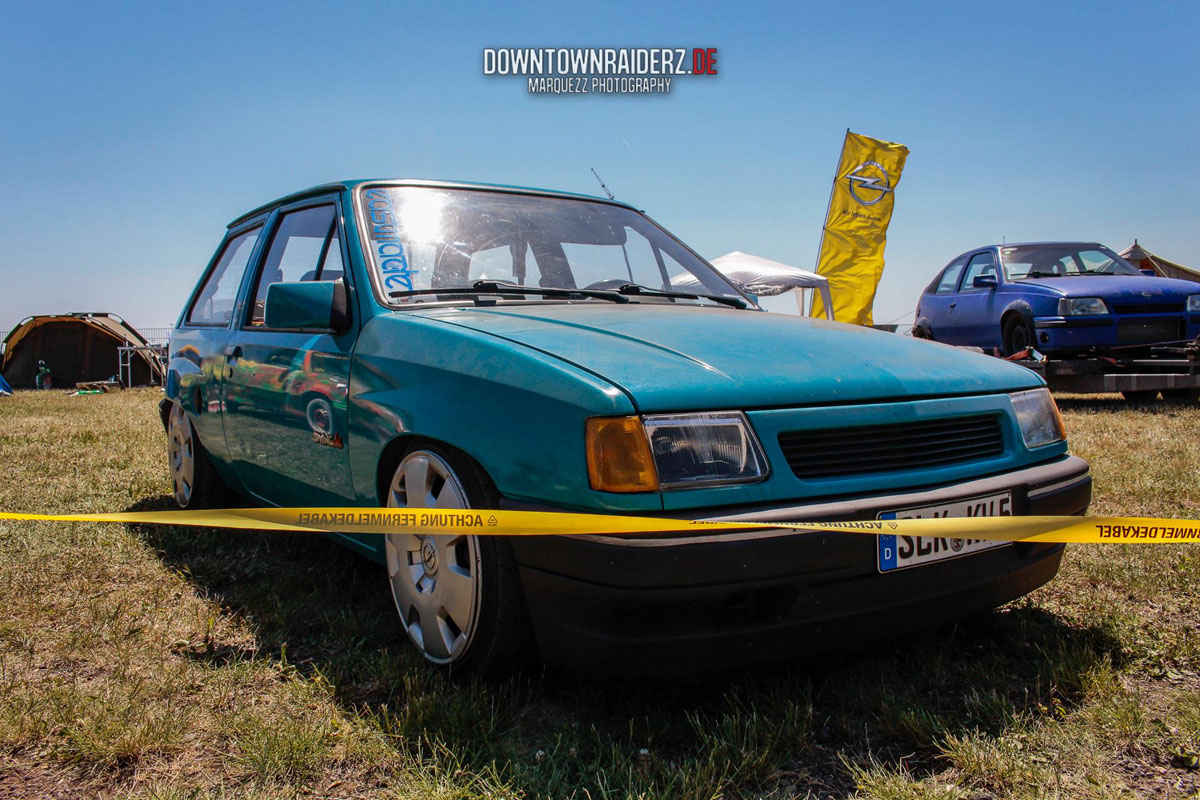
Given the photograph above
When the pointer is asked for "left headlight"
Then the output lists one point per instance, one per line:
(1072, 306)
(1038, 417)
(672, 451)
(1193, 305)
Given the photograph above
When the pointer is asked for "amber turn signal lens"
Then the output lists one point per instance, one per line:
(618, 455)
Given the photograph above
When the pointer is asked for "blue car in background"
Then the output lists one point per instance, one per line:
(1060, 298)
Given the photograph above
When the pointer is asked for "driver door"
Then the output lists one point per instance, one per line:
(285, 390)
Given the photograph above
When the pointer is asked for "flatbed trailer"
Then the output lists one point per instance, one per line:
(1174, 370)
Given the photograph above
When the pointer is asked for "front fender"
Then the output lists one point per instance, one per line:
(519, 412)
(1021, 307)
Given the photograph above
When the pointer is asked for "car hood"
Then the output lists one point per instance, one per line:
(684, 357)
(1114, 287)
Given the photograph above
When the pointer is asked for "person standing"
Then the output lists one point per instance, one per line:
(42, 380)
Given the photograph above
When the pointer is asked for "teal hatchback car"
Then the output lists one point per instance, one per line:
(444, 345)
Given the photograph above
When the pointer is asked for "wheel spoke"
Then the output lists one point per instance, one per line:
(432, 636)
(455, 591)
(449, 497)
(416, 482)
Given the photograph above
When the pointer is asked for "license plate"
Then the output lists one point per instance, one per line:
(902, 552)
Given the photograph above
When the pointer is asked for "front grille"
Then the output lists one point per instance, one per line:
(1174, 307)
(829, 452)
(1145, 330)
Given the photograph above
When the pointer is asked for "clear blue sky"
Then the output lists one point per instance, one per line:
(130, 136)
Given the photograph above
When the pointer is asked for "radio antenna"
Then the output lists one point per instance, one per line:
(602, 186)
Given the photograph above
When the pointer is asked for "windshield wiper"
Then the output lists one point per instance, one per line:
(637, 288)
(505, 288)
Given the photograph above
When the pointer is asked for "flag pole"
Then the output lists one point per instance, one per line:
(821, 242)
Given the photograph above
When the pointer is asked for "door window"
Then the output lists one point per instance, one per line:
(981, 264)
(948, 281)
(214, 304)
(302, 249)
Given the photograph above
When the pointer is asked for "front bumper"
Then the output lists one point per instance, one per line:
(630, 608)
(1105, 332)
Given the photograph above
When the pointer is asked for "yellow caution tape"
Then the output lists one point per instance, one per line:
(541, 523)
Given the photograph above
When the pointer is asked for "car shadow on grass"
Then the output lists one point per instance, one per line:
(327, 611)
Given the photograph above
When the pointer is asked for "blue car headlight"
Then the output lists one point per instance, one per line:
(1038, 417)
(1079, 306)
(1193, 305)
(704, 449)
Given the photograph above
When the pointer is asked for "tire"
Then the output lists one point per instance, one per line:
(458, 597)
(1181, 395)
(1017, 335)
(1141, 396)
(194, 480)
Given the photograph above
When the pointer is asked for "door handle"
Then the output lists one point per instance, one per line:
(952, 305)
(234, 351)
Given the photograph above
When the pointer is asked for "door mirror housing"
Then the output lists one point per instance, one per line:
(308, 304)
(1149, 272)
(984, 282)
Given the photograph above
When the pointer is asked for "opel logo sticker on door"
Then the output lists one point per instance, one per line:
(869, 182)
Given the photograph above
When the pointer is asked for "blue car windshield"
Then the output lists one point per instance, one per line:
(1062, 260)
(426, 238)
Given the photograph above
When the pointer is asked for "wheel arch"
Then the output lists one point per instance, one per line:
(396, 449)
(1016, 308)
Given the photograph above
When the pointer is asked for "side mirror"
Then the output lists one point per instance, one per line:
(984, 282)
(308, 304)
(1149, 272)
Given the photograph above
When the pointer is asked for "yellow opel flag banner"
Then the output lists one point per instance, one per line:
(426, 522)
(860, 208)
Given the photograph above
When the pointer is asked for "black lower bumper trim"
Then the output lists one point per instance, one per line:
(661, 607)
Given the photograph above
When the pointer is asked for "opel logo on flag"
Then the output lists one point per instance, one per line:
(869, 182)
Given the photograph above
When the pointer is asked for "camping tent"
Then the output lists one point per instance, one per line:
(764, 277)
(1142, 258)
(76, 347)
(4, 387)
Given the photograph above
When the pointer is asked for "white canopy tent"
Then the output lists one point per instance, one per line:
(764, 277)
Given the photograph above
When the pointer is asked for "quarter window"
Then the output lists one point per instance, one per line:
(214, 304)
(302, 249)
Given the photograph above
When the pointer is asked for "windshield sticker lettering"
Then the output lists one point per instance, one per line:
(389, 250)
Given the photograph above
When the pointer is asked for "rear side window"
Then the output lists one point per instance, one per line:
(304, 248)
(949, 279)
(214, 304)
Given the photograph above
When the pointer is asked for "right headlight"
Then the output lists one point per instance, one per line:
(1038, 417)
(1078, 306)
(1193, 304)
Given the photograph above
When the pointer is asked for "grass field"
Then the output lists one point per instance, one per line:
(176, 663)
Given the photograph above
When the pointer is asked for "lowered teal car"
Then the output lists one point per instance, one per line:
(420, 344)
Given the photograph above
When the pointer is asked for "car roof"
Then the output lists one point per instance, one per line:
(350, 185)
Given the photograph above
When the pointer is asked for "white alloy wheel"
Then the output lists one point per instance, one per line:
(181, 454)
(435, 579)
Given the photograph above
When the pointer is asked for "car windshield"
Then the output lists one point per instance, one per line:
(1059, 260)
(424, 238)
